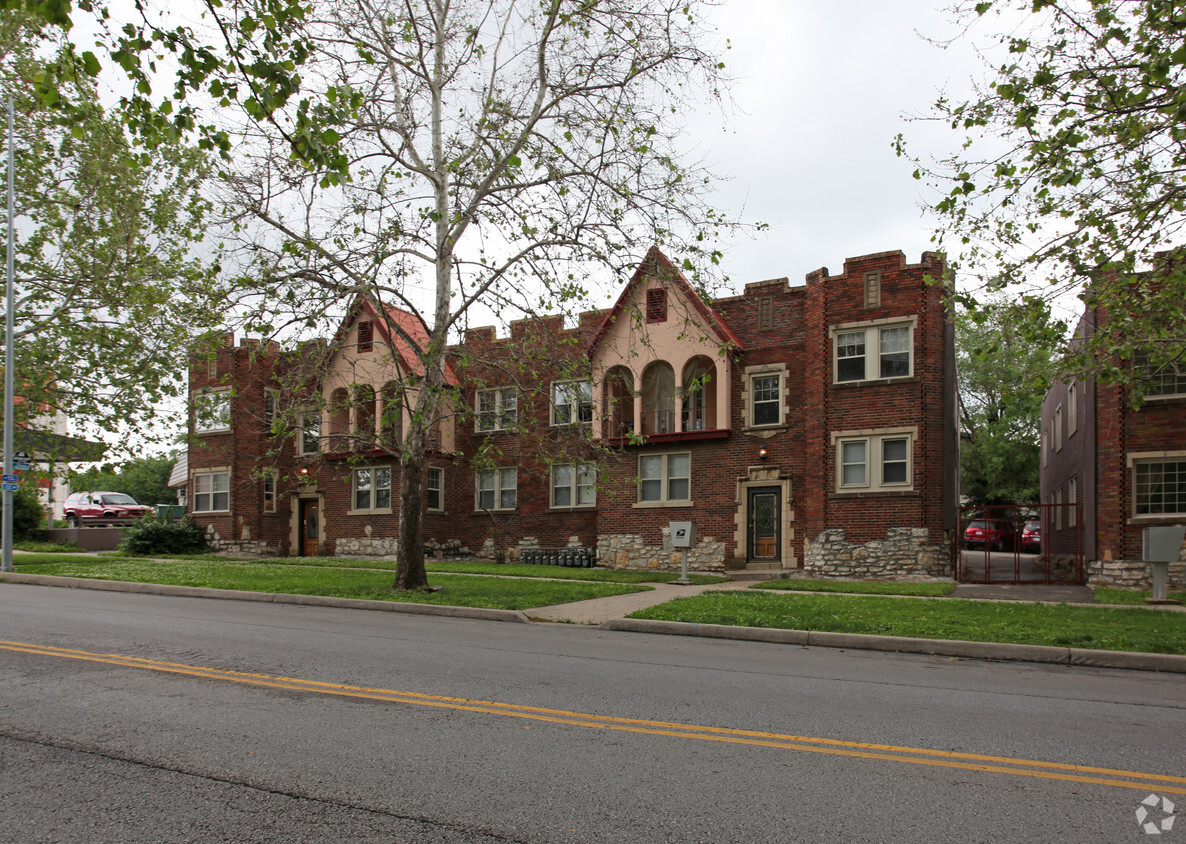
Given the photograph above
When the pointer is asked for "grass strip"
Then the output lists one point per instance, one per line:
(1109, 595)
(1059, 625)
(863, 587)
(466, 567)
(458, 590)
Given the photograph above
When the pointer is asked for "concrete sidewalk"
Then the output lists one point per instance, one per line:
(601, 610)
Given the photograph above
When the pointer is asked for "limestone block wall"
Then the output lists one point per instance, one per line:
(244, 545)
(1133, 574)
(904, 552)
(628, 551)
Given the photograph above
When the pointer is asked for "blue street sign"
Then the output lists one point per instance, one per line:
(11, 479)
(19, 465)
(10, 487)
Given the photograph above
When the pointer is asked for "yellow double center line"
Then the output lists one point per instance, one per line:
(861, 750)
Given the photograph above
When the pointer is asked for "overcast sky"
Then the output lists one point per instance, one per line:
(822, 90)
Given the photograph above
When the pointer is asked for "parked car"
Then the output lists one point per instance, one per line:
(103, 508)
(989, 533)
(1031, 536)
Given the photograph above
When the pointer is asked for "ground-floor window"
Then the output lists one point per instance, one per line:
(372, 488)
(1160, 487)
(497, 489)
(433, 488)
(873, 462)
(574, 485)
(665, 478)
(212, 492)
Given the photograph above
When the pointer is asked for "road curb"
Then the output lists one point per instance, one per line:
(481, 613)
(900, 644)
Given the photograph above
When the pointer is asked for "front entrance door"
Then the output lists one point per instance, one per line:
(765, 520)
(310, 529)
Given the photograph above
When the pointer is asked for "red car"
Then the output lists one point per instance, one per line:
(989, 533)
(1031, 536)
(103, 508)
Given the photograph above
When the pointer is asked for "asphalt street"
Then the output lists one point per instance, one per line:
(150, 718)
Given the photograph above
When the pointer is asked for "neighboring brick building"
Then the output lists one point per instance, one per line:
(1124, 467)
(797, 427)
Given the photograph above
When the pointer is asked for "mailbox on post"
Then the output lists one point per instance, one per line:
(683, 534)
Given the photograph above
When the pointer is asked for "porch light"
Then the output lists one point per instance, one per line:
(305, 470)
(762, 453)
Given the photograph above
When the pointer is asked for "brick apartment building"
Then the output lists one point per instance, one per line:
(1124, 467)
(804, 427)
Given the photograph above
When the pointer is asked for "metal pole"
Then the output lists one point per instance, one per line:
(6, 563)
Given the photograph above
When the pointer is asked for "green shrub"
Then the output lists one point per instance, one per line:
(154, 535)
(27, 515)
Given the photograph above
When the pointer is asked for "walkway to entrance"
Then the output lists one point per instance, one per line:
(1058, 593)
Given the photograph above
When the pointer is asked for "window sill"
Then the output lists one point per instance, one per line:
(478, 433)
(211, 512)
(212, 431)
(1157, 519)
(876, 382)
(652, 505)
(380, 511)
(765, 430)
(579, 508)
(511, 512)
(874, 493)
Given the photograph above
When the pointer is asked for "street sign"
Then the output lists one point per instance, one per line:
(19, 465)
(10, 487)
(11, 479)
(20, 455)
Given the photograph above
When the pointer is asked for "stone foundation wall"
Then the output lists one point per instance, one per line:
(904, 552)
(244, 545)
(628, 551)
(1133, 574)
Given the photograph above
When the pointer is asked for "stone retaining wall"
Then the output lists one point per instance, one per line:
(1133, 574)
(628, 551)
(904, 552)
(246, 545)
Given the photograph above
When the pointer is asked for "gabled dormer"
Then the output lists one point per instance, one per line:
(662, 362)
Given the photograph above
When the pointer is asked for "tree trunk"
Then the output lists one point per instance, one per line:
(409, 572)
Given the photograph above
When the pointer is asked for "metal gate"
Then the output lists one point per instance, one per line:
(1034, 543)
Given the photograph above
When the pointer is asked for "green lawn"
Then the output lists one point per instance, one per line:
(864, 587)
(458, 590)
(1108, 595)
(1032, 624)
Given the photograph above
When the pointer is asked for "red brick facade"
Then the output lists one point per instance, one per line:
(803, 427)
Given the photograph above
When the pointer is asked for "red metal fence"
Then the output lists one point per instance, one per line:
(1034, 543)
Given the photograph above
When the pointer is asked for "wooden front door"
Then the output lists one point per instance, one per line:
(765, 520)
(310, 529)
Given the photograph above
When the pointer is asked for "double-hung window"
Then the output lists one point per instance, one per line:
(868, 352)
(372, 488)
(498, 410)
(572, 401)
(434, 489)
(309, 441)
(270, 493)
(1160, 487)
(212, 411)
(874, 462)
(665, 479)
(212, 492)
(497, 489)
(766, 399)
(574, 485)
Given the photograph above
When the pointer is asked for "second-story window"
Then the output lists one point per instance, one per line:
(498, 410)
(572, 401)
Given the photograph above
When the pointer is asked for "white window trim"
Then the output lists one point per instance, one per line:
(1145, 457)
(271, 397)
(1044, 446)
(354, 508)
(765, 371)
(1058, 428)
(440, 489)
(207, 395)
(498, 489)
(212, 473)
(574, 486)
(499, 410)
(874, 440)
(275, 501)
(1073, 499)
(664, 499)
(872, 329)
(301, 431)
(1072, 409)
(575, 414)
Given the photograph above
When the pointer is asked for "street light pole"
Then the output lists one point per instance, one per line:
(9, 327)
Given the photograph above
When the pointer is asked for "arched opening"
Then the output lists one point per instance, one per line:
(699, 386)
(391, 425)
(339, 417)
(619, 400)
(658, 398)
(364, 414)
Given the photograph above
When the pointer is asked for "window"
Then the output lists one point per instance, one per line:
(497, 489)
(766, 399)
(1072, 409)
(1160, 487)
(873, 290)
(1058, 428)
(765, 313)
(572, 401)
(372, 488)
(271, 404)
(269, 493)
(498, 410)
(366, 336)
(1043, 443)
(212, 492)
(1072, 499)
(665, 478)
(865, 353)
(433, 488)
(656, 305)
(310, 435)
(1169, 379)
(574, 485)
(212, 412)
(1058, 509)
(874, 462)
(212, 368)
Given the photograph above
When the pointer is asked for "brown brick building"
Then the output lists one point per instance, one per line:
(795, 427)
